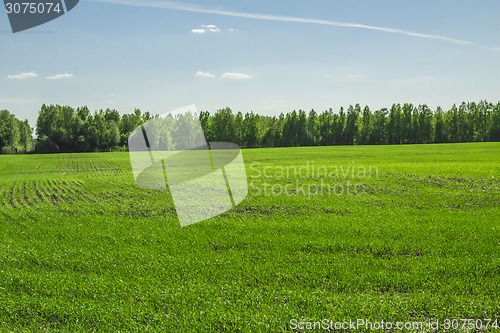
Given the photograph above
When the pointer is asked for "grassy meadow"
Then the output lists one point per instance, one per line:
(394, 233)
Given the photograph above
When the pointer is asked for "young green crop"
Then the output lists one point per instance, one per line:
(84, 249)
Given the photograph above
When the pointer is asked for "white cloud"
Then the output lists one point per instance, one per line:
(204, 74)
(211, 28)
(23, 76)
(236, 76)
(232, 29)
(205, 28)
(60, 76)
(227, 75)
(174, 5)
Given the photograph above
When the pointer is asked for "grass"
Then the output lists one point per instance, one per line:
(83, 249)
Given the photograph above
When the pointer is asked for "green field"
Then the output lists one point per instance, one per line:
(416, 238)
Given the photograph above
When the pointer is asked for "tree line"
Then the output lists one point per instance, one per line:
(66, 129)
(407, 123)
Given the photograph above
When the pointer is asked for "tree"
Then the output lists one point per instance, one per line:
(350, 131)
(394, 125)
(25, 136)
(379, 134)
(302, 138)
(222, 126)
(482, 113)
(325, 130)
(439, 127)
(46, 129)
(312, 129)
(495, 124)
(251, 130)
(268, 128)
(452, 125)
(204, 119)
(128, 123)
(464, 128)
(290, 130)
(366, 127)
(16, 136)
(425, 124)
(338, 128)
(406, 123)
(278, 131)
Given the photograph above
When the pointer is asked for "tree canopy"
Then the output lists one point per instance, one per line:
(15, 135)
(68, 130)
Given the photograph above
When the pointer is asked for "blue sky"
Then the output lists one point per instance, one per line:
(269, 57)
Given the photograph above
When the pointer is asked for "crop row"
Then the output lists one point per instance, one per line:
(27, 194)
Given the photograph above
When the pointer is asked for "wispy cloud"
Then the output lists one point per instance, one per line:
(271, 105)
(236, 76)
(60, 76)
(198, 31)
(22, 76)
(17, 100)
(172, 5)
(204, 74)
(343, 77)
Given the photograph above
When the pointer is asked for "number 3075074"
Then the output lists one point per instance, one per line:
(33, 7)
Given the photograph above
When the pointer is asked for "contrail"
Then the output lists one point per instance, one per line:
(173, 5)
